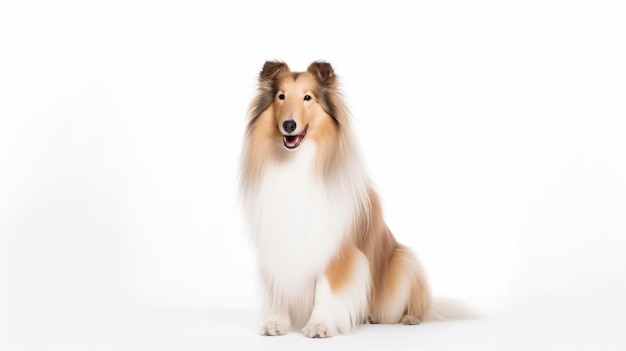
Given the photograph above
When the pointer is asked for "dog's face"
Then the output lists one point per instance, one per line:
(296, 102)
(292, 109)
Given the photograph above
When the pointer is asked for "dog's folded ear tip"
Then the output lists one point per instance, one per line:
(272, 68)
(322, 70)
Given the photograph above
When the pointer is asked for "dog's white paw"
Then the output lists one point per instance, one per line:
(318, 330)
(410, 320)
(273, 328)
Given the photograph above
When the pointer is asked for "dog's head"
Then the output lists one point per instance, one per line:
(297, 106)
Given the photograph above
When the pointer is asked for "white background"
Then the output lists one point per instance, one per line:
(494, 131)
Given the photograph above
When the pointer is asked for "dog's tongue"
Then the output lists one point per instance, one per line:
(292, 140)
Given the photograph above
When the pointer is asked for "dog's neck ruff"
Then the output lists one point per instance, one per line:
(297, 220)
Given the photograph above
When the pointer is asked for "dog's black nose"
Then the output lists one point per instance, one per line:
(289, 125)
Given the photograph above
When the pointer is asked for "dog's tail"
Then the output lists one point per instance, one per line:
(445, 309)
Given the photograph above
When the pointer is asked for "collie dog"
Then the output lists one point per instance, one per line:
(327, 260)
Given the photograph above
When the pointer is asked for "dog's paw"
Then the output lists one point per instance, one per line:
(318, 330)
(410, 320)
(371, 320)
(273, 328)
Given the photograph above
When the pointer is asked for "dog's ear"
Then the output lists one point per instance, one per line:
(322, 71)
(271, 70)
(268, 84)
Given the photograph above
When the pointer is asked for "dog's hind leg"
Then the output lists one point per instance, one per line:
(419, 299)
(404, 296)
(341, 294)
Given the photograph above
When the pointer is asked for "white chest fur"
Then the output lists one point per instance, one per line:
(297, 222)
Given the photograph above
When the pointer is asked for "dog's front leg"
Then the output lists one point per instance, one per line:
(341, 294)
(275, 314)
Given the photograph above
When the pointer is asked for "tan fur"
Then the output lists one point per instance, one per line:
(393, 267)
(341, 266)
(389, 262)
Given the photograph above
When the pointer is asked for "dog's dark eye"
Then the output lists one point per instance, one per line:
(307, 97)
(281, 97)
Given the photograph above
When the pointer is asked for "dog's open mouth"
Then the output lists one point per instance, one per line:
(293, 141)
